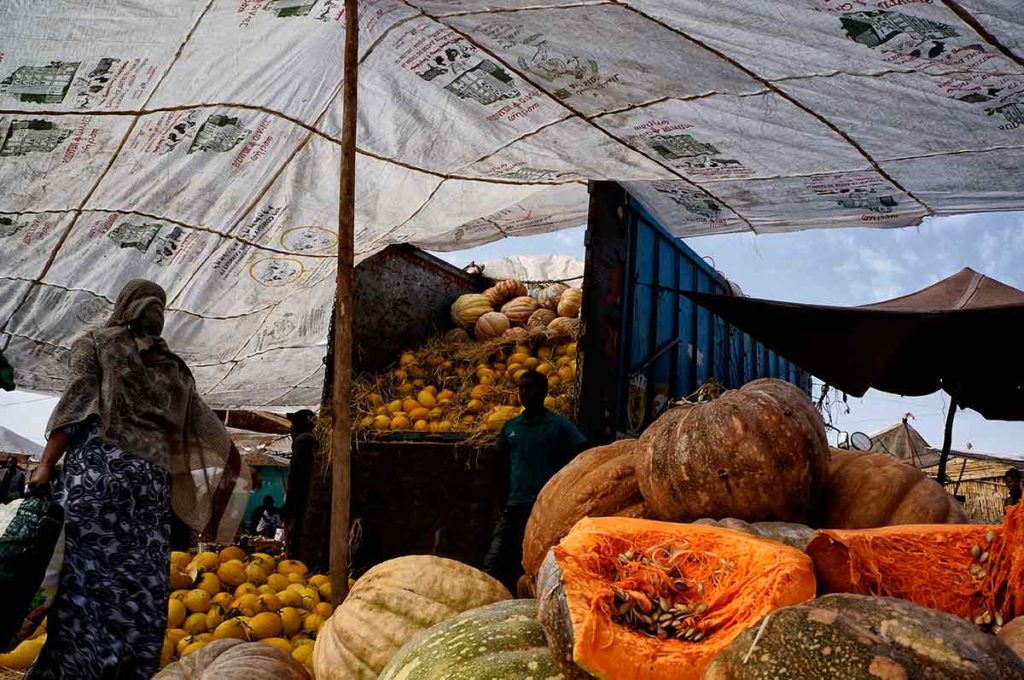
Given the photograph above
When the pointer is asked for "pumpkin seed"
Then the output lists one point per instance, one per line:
(978, 619)
(976, 551)
(974, 569)
(989, 536)
(664, 603)
(697, 637)
(986, 618)
(984, 557)
(980, 575)
(680, 585)
(701, 608)
(999, 619)
(624, 608)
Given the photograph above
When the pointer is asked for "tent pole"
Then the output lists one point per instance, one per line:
(341, 428)
(947, 441)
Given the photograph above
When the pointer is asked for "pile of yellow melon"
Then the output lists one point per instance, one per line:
(248, 597)
(428, 392)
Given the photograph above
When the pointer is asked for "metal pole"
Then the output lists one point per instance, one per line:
(947, 441)
(341, 428)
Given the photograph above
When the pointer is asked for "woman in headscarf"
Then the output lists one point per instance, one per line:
(138, 442)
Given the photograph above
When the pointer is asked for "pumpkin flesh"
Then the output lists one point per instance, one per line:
(740, 578)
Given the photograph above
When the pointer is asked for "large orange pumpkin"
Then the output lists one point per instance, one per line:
(570, 302)
(600, 482)
(519, 310)
(468, 308)
(602, 588)
(756, 453)
(867, 490)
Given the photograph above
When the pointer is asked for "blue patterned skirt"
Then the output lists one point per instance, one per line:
(108, 617)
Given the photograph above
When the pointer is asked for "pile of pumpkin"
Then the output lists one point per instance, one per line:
(232, 595)
(690, 553)
(510, 311)
(454, 384)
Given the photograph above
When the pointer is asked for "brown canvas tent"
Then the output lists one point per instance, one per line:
(904, 442)
(955, 335)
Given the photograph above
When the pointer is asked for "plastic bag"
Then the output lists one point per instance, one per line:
(26, 548)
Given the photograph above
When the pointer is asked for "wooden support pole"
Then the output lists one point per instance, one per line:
(947, 441)
(341, 429)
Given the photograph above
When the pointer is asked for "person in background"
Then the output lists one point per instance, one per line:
(266, 519)
(12, 481)
(138, 442)
(6, 374)
(1012, 481)
(304, 446)
(531, 448)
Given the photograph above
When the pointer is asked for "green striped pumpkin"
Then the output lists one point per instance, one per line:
(501, 641)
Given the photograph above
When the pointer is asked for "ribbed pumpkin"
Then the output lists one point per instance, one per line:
(570, 302)
(757, 453)
(457, 335)
(468, 308)
(730, 581)
(866, 490)
(548, 296)
(491, 325)
(852, 636)
(540, 319)
(600, 482)
(503, 291)
(564, 328)
(501, 641)
(389, 604)
(517, 335)
(235, 660)
(519, 310)
(1012, 635)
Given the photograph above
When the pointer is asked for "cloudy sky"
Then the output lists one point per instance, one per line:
(839, 267)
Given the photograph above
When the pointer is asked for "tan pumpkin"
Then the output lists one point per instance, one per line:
(468, 308)
(503, 291)
(1012, 635)
(517, 335)
(867, 490)
(788, 533)
(548, 296)
(457, 336)
(519, 310)
(235, 660)
(600, 482)
(570, 302)
(491, 325)
(757, 453)
(390, 604)
(564, 328)
(540, 319)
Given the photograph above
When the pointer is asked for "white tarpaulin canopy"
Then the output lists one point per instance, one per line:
(196, 143)
(536, 269)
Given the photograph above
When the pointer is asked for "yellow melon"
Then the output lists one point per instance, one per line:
(209, 583)
(248, 604)
(197, 601)
(232, 573)
(291, 620)
(324, 609)
(269, 602)
(167, 652)
(179, 579)
(176, 613)
(215, 617)
(195, 624)
(205, 561)
(223, 600)
(290, 598)
(255, 574)
(266, 625)
(232, 628)
(279, 581)
(303, 654)
(176, 635)
(232, 552)
(313, 623)
(246, 589)
(317, 580)
(292, 567)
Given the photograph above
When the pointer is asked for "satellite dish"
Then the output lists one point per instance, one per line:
(860, 441)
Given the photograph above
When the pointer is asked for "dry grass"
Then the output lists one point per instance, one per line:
(8, 674)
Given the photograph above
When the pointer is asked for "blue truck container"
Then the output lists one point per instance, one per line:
(644, 343)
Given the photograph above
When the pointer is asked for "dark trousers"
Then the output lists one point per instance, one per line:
(504, 560)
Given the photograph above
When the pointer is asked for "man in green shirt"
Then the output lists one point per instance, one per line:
(531, 448)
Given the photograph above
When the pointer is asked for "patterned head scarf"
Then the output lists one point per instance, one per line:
(146, 402)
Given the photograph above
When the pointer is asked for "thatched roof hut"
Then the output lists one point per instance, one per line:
(977, 477)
